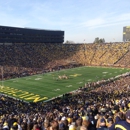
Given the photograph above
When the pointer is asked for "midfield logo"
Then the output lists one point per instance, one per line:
(75, 75)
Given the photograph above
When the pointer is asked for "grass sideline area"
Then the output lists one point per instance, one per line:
(43, 87)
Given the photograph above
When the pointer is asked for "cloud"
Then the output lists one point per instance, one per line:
(123, 17)
(108, 24)
(94, 22)
(105, 21)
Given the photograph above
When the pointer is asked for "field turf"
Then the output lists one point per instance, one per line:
(43, 87)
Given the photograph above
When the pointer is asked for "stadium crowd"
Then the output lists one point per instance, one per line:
(34, 55)
(43, 55)
(98, 54)
(22, 60)
(105, 107)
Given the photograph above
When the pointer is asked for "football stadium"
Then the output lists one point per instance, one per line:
(46, 83)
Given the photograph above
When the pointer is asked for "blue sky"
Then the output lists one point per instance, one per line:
(80, 19)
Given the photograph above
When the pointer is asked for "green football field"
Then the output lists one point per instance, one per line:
(44, 87)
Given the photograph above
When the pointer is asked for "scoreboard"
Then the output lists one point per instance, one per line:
(126, 33)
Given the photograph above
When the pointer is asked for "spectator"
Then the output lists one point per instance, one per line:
(102, 125)
(122, 125)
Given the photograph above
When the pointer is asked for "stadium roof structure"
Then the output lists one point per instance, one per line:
(40, 29)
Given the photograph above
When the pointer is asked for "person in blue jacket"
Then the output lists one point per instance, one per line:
(122, 125)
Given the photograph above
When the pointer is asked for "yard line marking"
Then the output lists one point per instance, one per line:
(28, 78)
(38, 78)
(69, 86)
(75, 75)
(104, 72)
(79, 82)
(56, 89)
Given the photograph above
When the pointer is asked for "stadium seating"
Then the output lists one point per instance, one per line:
(46, 56)
(72, 111)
